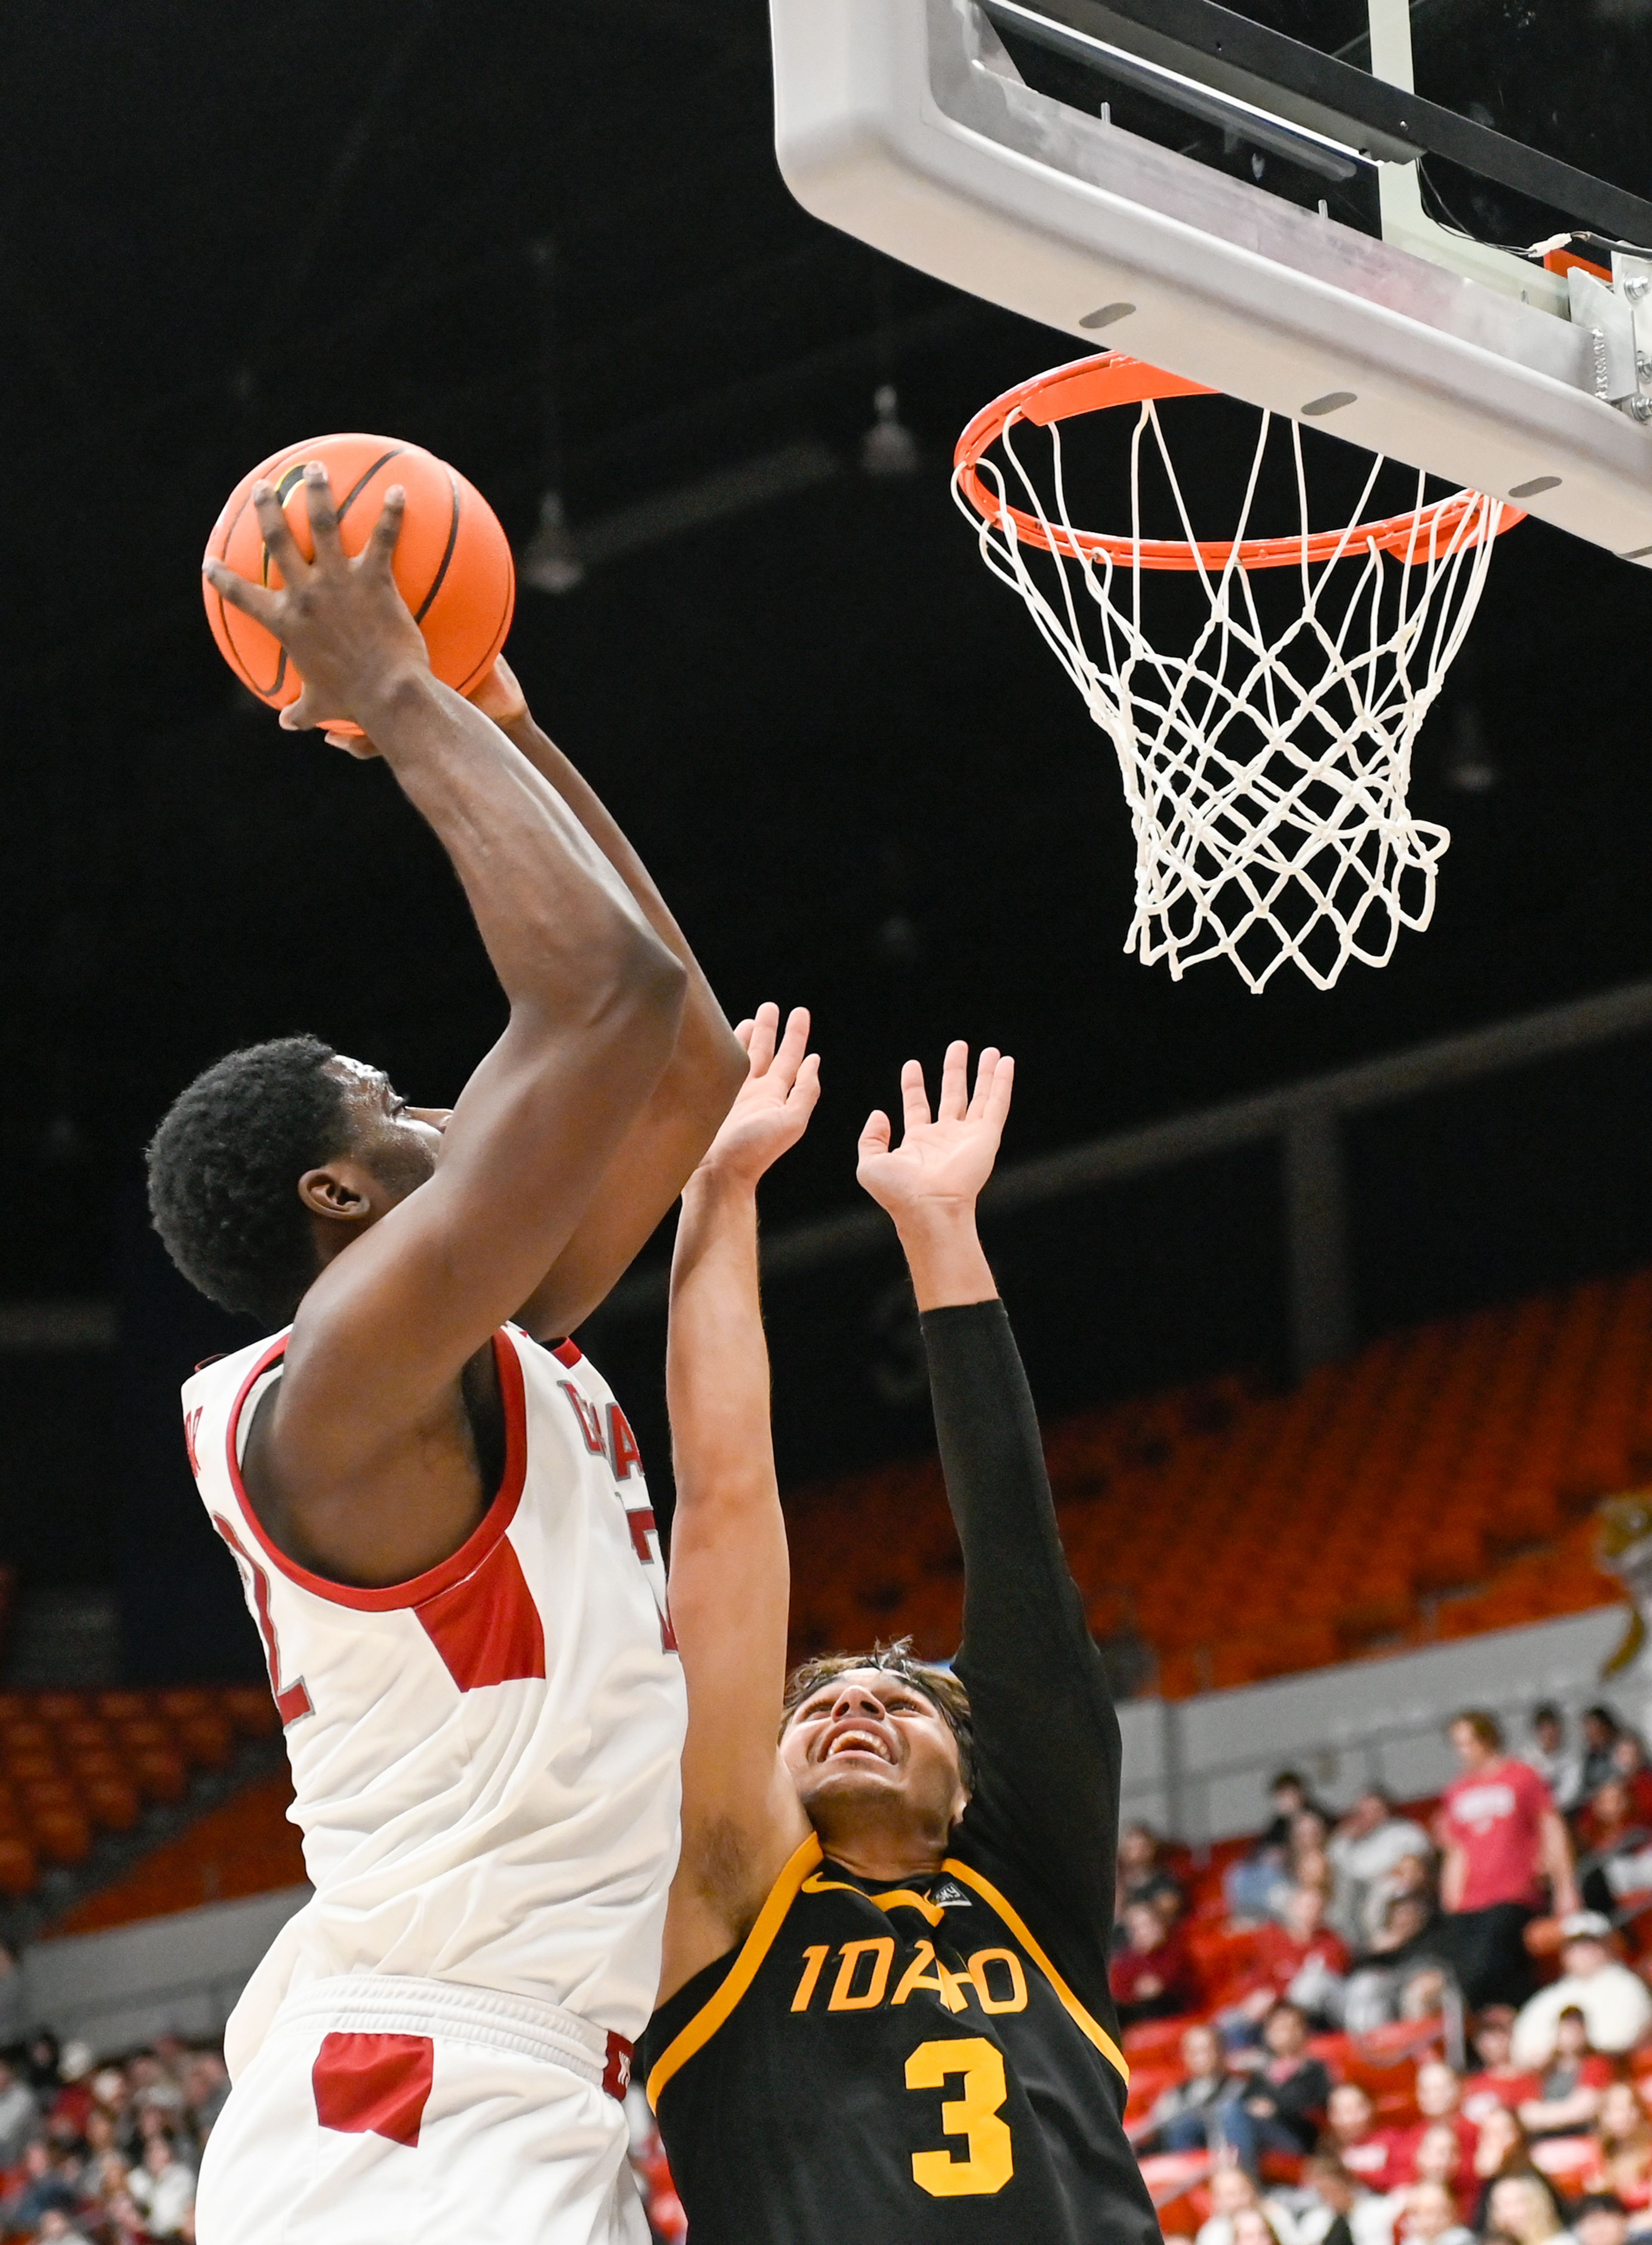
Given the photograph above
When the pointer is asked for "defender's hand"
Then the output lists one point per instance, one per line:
(349, 633)
(772, 1106)
(940, 1165)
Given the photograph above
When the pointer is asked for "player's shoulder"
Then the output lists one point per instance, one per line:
(223, 1375)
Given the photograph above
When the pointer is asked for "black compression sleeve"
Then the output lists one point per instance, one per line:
(1047, 1737)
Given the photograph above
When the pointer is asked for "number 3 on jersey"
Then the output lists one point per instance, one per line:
(973, 2116)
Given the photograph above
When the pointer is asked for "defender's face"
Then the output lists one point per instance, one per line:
(869, 1736)
(400, 1144)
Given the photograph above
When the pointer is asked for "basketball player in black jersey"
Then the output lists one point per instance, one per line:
(884, 2010)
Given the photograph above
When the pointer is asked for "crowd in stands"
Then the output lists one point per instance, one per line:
(104, 2155)
(1422, 2025)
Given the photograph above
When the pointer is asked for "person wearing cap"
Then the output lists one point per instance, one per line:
(1613, 2000)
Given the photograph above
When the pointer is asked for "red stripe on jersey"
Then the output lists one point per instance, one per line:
(477, 1546)
(374, 2083)
(569, 1353)
(487, 1628)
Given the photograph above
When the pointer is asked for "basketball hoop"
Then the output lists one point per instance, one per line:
(1267, 773)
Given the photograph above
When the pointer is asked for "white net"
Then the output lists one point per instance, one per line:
(1266, 770)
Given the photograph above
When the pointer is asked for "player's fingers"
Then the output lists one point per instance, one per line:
(953, 1102)
(303, 716)
(984, 1069)
(789, 1053)
(807, 1089)
(278, 542)
(743, 1034)
(381, 545)
(764, 1029)
(323, 515)
(1003, 1083)
(233, 589)
(875, 1138)
(914, 1098)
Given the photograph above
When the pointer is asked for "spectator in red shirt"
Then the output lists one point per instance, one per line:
(1439, 2101)
(1503, 1840)
(1352, 2134)
(1629, 1768)
(1152, 1975)
(1623, 2147)
(1300, 1957)
(1498, 2083)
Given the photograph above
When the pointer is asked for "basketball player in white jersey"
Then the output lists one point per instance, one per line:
(441, 1524)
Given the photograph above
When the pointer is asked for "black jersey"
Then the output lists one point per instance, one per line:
(937, 2063)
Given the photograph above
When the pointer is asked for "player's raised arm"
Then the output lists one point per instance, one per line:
(706, 1068)
(596, 1001)
(1048, 1759)
(729, 1582)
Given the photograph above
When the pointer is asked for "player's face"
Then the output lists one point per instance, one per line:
(869, 1738)
(400, 1144)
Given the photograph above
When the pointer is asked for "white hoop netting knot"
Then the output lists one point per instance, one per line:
(1267, 776)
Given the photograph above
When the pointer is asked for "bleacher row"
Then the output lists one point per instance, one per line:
(1438, 1484)
(76, 1763)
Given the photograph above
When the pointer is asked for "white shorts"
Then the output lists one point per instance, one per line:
(382, 2111)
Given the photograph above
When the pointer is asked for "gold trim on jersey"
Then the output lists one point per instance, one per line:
(897, 1898)
(710, 2016)
(1071, 2004)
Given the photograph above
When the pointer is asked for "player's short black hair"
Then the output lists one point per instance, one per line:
(224, 1168)
(939, 1685)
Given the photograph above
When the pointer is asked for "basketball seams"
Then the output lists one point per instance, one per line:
(474, 545)
(424, 608)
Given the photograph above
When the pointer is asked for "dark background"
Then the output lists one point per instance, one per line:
(859, 776)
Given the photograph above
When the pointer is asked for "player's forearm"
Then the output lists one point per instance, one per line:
(707, 1056)
(559, 924)
(944, 1254)
(717, 1364)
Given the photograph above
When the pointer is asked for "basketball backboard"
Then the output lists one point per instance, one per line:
(1356, 211)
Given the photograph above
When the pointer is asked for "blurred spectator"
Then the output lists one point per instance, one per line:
(1307, 1862)
(1436, 2155)
(1440, 2099)
(1503, 2150)
(18, 2114)
(1231, 2191)
(1251, 1882)
(39, 2187)
(1407, 1954)
(1152, 1975)
(1600, 2218)
(1143, 1876)
(1255, 2225)
(1560, 1768)
(163, 2188)
(1502, 1839)
(1290, 2091)
(1295, 1956)
(1622, 2146)
(1613, 2000)
(1334, 2207)
(1598, 1728)
(1568, 2091)
(1630, 1767)
(1195, 2113)
(40, 2060)
(1614, 1847)
(1499, 2080)
(56, 2229)
(1364, 1848)
(1428, 2216)
(1352, 2136)
(1523, 2209)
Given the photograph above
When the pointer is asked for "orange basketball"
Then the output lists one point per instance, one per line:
(452, 564)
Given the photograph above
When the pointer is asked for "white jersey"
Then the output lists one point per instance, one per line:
(485, 1758)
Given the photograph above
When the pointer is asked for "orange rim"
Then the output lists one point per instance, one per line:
(1092, 385)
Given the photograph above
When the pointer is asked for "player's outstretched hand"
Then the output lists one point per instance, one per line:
(941, 1164)
(771, 1109)
(349, 633)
